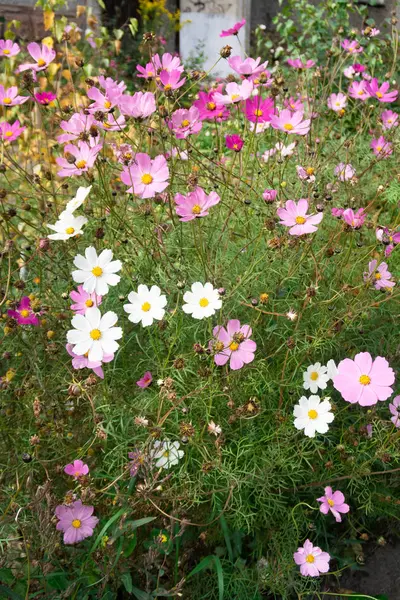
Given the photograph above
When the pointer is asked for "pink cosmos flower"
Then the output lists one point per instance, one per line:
(395, 411)
(381, 92)
(185, 122)
(233, 344)
(270, 195)
(139, 106)
(45, 98)
(195, 204)
(124, 154)
(291, 122)
(146, 380)
(352, 47)
(109, 84)
(248, 67)
(297, 63)
(364, 380)
(104, 102)
(389, 238)
(334, 502)
(147, 72)
(146, 177)
(312, 560)
(234, 92)
(8, 48)
(83, 300)
(358, 68)
(167, 62)
(349, 72)
(76, 521)
(137, 458)
(42, 56)
(209, 108)
(337, 212)
(380, 275)
(233, 30)
(76, 469)
(355, 220)
(23, 314)
(9, 96)
(78, 127)
(82, 362)
(389, 119)
(344, 171)
(294, 104)
(112, 123)
(295, 216)
(170, 80)
(8, 132)
(84, 156)
(259, 110)
(358, 90)
(234, 142)
(381, 147)
(305, 174)
(337, 102)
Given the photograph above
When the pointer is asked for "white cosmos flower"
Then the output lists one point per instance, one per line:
(315, 378)
(67, 226)
(312, 415)
(332, 369)
(146, 305)
(94, 335)
(96, 272)
(166, 454)
(202, 301)
(79, 198)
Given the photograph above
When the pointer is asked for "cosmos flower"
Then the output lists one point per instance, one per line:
(389, 238)
(9, 96)
(364, 380)
(394, 408)
(312, 560)
(270, 195)
(146, 177)
(146, 380)
(76, 469)
(202, 301)
(80, 159)
(185, 122)
(379, 275)
(315, 378)
(358, 90)
(83, 362)
(259, 110)
(67, 226)
(166, 454)
(24, 314)
(79, 198)
(139, 106)
(170, 80)
(305, 174)
(235, 92)
(312, 415)
(234, 142)
(8, 49)
(167, 62)
(45, 98)
(209, 108)
(381, 92)
(83, 300)
(352, 47)
(94, 334)
(337, 102)
(196, 204)
(334, 502)
(96, 273)
(8, 132)
(42, 55)
(104, 102)
(233, 30)
(79, 126)
(297, 63)
(112, 123)
(146, 305)
(344, 171)
(354, 219)
(214, 429)
(233, 344)
(247, 67)
(291, 122)
(76, 521)
(381, 147)
(294, 215)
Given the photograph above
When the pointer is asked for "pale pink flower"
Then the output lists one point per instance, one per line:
(8, 48)
(76, 469)
(395, 411)
(337, 102)
(389, 119)
(344, 171)
(270, 195)
(234, 92)
(312, 560)
(139, 106)
(83, 300)
(78, 127)
(334, 502)
(84, 156)
(294, 215)
(185, 122)
(358, 90)
(146, 177)
(167, 62)
(349, 72)
(297, 63)
(354, 219)
(381, 92)
(379, 275)
(352, 47)
(381, 147)
(291, 122)
(233, 344)
(305, 174)
(9, 96)
(112, 123)
(389, 238)
(42, 56)
(364, 380)
(195, 204)
(8, 132)
(214, 429)
(104, 102)
(248, 67)
(294, 104)
(76, 521)
(82, 361)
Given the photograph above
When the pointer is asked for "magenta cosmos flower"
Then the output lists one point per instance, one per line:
(380, 276)
(270, 195)
(344, 171)
(8, 48)
(312, 560)
(354, 219)
(82, 362)
(83, 300)
(76, 521)
(24, 314)
(9, 96)
(248, 67)
(209, 108)
(195, 204)
(389, 119)
(234, 142)
(381, 92)
(381, 147)
(364, 380)
(8, 132)
(78, 127)
(297, 63)
(389, 238)
(170, 80)
(233, 30)
(146, 177)
(233, 344)
(295, 216)
(259, 110)
(395, 411)
(83, 158)
(45, 98)
(185, 122)
(139, 106)
(76, 469)
(291, 122)
(42, 56)
(145, 381)
(352, 47)
(334, 502)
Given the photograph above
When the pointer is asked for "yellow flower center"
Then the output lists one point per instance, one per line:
(390, 120)
(41, 62)
(218, 346)
(310, 170)
(331, 502)
(365, 380)
(312, 414)
(7, 100)
(168, 86)
(235, 97)
(185, 123)
(204, 302)
(70, 230)
(146, 307)
(310, 559)
(107, 104)
(337, 103)
(300, 220)
(258, 113)
(24, 313)
(233, 346)
(378, 276)
(211, 105)
(196, 210)
(95, 334)
(5, 51)
(81, 164)
(76, 523)
(89, 303)
(379, 148)
(9, 133)
(236, 146)
(147, 179)
(379, 94)
(166, 454)
(163, 538)
(360, 93)
(288, 126)
(314, 376)
(77, 473)
(97, 271)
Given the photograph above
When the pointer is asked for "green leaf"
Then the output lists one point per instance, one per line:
(127, 582)
(9, 593)
(139, 594)
(133, 26)
(101, 4)
(205, 564)
(130, 547)
(57, 581)
(118, 34)
(110, 521)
